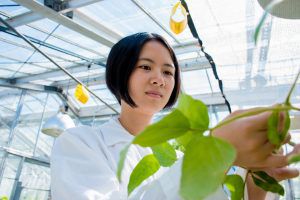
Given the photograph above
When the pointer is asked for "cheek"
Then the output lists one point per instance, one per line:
(135, 83)
(171, 85)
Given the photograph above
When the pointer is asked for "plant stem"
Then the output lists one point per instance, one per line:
(247, 174)
(256, 111)
(292, 143)
(295, 108)
(287, 101)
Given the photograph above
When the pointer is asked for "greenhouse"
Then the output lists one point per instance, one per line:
(232, 55)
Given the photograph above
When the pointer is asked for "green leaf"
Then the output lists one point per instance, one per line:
(273, 134)
(272, 187)
(123, 154)
(294, 158)
(165, 154)
(185, 139)
(235, 185)
(144, 169)
(205, 163)
(195, 111)
(171, 126)
(264, 176)
(276, 136)
(286, 127)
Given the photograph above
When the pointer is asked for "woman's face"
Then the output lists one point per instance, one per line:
(152, 81)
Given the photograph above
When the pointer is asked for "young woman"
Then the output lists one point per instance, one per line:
(143, 74)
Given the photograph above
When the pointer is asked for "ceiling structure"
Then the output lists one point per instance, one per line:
(80, 35)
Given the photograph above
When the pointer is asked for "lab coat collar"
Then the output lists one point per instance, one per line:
(114, 132)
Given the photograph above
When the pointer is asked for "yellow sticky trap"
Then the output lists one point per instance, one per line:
(81, 94)
(178, 19)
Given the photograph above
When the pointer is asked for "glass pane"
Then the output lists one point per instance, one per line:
(9, 175)
(9, 99)
(35, 181)
(25, 133)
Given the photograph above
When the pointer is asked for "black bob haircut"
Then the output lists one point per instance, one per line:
(122, 60)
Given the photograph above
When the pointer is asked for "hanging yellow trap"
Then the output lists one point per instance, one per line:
(178, 19)
(81, 94)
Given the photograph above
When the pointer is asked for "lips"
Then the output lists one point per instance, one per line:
(154, 94)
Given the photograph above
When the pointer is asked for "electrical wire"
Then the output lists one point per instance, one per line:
(208, 57)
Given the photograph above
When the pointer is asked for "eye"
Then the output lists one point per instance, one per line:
(145, 67)
(169, 73)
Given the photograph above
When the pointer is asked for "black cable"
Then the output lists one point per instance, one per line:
(208, 57)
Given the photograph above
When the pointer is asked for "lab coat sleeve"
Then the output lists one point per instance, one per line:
(79, 173)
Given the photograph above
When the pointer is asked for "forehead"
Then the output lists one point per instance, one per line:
(155, 49)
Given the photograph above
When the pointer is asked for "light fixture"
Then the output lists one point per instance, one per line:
(57, 124)
(288, 9)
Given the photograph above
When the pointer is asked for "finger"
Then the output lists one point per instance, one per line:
(287, 138)
(284, 173)
(275, 161)
(296, 150)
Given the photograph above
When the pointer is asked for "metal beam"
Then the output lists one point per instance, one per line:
(31, 16)
(47, 45)
(92, 24)
(65, 21)
(59, 37)
(22, 61)
(28, 86)
(66, 40)
(56, 73)
(32, 49)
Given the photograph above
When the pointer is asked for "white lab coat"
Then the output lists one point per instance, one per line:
(84, 162)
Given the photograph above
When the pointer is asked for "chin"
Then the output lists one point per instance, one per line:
(150, 110)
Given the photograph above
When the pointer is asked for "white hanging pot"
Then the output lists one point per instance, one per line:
(288, 9)
(57, 124)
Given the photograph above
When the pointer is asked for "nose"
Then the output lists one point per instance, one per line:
(158, 80)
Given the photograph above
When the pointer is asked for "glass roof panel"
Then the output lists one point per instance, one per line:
(86, 42)
(225, 28)
(12, 10)
(127, 18)
(199, 85)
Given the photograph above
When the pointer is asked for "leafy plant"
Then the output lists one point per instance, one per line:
(206, 158)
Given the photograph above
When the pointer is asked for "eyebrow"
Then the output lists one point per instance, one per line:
(152, 61)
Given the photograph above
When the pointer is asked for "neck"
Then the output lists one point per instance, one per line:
(133, 120)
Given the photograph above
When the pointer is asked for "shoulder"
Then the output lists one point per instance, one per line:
(79, 132)
(86, 134)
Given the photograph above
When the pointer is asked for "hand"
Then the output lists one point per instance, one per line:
(249, 137)
(284, 173)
